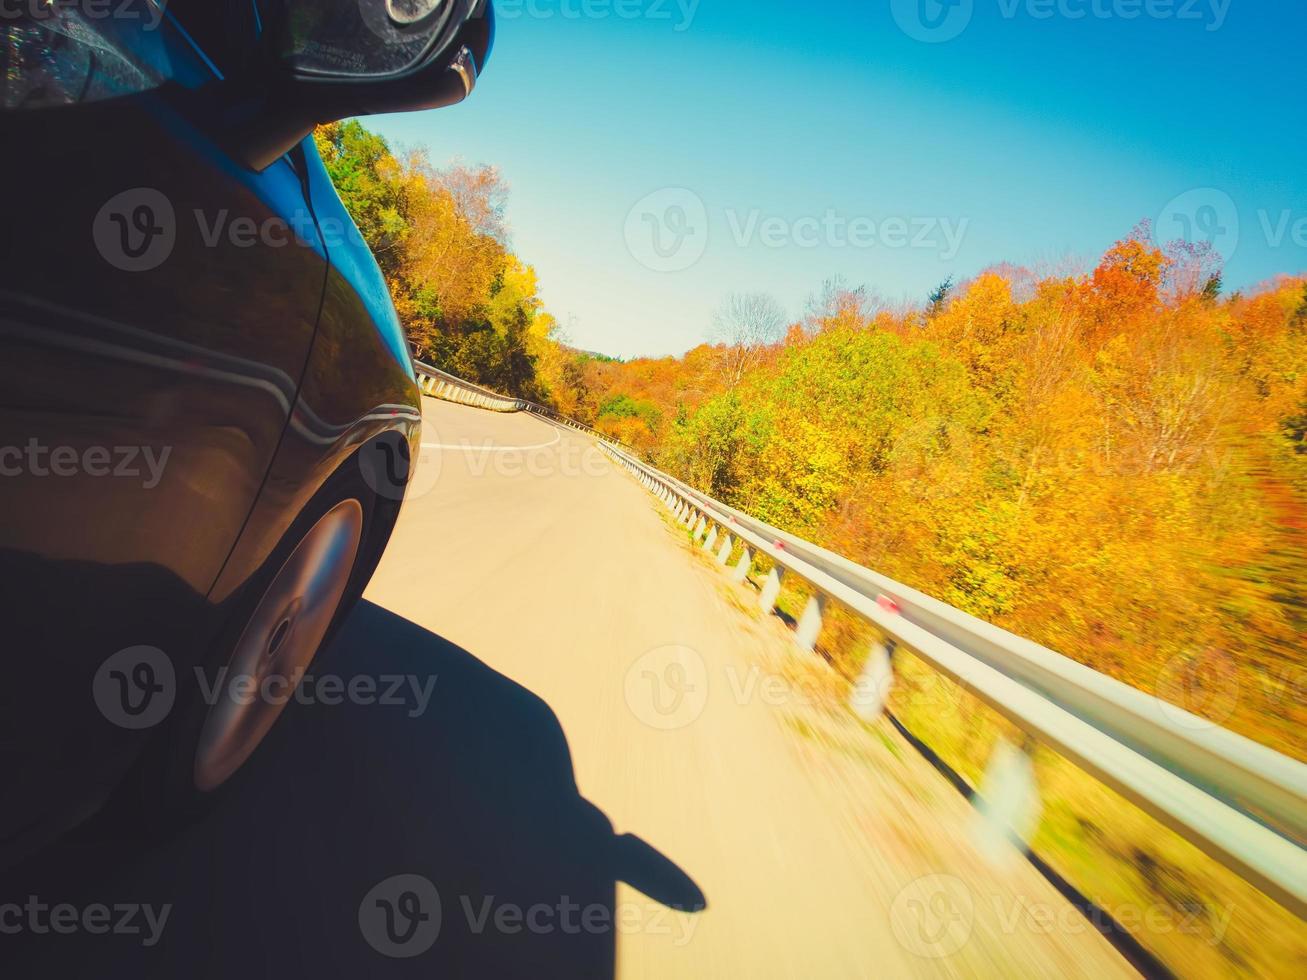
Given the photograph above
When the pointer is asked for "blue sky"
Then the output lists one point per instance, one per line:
(665, 153)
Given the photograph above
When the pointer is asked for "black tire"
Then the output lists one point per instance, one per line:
(160, 793)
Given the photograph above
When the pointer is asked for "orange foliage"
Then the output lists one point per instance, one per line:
(1112, 464)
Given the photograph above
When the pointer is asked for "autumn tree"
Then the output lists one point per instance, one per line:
(746, 324)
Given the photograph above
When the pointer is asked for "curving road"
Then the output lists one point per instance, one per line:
(590, 736)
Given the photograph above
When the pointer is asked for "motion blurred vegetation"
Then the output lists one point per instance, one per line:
(466, 301)
(1112, 463)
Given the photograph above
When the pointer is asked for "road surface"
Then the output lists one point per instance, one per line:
(595, 760)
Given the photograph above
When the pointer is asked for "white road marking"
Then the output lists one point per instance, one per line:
(469, 447)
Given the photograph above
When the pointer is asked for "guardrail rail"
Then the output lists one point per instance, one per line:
(440, 384)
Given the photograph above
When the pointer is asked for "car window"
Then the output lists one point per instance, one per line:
(67, 53)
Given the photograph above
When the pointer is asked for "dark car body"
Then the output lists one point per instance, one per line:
(189, 350)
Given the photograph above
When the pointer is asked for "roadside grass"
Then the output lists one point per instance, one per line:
(1194, 915)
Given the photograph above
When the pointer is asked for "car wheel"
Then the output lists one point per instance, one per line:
(284, 617)
(279, 641)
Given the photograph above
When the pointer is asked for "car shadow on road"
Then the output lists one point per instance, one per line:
(317, 866)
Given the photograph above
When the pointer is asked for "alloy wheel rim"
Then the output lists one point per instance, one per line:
(278, 644)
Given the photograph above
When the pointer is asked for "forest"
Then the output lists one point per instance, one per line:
(1109, 457)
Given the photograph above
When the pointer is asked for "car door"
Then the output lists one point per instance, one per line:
(157, 306)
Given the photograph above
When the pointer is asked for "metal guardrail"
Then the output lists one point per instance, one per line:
(1240, 802)
(441, 384)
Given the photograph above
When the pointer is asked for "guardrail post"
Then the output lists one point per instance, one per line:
(771, 588)
(809, 627)
(742, 566)
(1008, 802)
(699, 525)
(711, 539)
(871, 692)
(724, 552)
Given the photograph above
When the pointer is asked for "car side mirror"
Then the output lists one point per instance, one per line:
(324, 60)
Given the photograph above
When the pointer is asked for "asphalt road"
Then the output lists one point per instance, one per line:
(574, 756)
